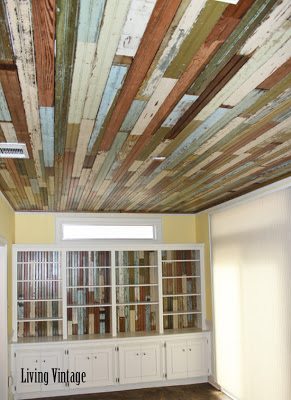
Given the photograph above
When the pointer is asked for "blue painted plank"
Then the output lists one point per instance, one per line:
(91, 13)
(47, 133)
(133, 115)
(183, 105)
(4, 111)
(113, 84)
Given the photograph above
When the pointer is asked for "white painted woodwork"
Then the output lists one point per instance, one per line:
(181, 32)
(176, 359)
(161, 93)
(130, 364)
(187, 357)
(26, 360)
(114, 17)
(137, 19)
(97, 363)
(51, 359)
(151, 365)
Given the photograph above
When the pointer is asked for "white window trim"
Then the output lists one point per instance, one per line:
(155, 222)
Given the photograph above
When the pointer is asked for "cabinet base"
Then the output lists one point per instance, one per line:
(113, 388)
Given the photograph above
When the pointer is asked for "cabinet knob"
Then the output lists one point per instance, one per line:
(95, 357)
(88, 358)
(144, 354)
(36, 361)
(137, 354)
(44, 361)
(190, 349)
(183, 349)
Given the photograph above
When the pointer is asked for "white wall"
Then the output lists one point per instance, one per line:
(251, 255)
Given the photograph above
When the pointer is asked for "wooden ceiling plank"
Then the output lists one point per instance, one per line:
(85, 133)
(114, 17)
(114, 83)
(159, 22)
(47, 131)
(137, 19)
(66, 36)
(6, 52)
(9, 132)
(19, 17)
(235, 40)
(43, 16)
(173, 46)
(206, 21)
(276, 76)
(89, 25)
(4, 111)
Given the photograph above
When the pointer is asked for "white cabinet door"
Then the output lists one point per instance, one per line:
(27, 364)
(151, 366)
(176, 359)
(81, 361)
(52, 360)
(129, 364)
(197, 357)
(103, 366)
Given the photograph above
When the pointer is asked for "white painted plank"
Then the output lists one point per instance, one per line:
(4, 111)
(161, 93)
(183, 29)
(112, 24)
(279, 14)
(157, 179)
(183, 105)
(136, 108)
(137, 19)
(9, 132)
(86, 129)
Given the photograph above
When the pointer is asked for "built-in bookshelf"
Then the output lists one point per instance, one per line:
(181, 281)
(39, 294)
(136, 291)
(88, 292)
(71, 293)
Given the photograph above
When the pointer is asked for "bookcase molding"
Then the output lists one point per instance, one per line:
(121, 299)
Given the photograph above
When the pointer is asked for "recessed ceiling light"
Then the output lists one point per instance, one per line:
(13, 150)
(229, 1)
(159, 158)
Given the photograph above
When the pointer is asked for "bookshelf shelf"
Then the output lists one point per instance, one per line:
(70, 293)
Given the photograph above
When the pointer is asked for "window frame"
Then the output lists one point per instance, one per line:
(156, 222)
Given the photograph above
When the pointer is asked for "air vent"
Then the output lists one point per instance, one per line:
(13, 150)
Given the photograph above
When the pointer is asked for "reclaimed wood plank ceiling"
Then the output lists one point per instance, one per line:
(143, 105)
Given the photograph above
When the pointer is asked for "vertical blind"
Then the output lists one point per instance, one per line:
(251, 257)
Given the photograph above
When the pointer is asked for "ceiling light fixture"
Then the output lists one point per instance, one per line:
(229, 1)
(159, 158)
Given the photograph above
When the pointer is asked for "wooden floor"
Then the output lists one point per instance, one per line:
(189, 392)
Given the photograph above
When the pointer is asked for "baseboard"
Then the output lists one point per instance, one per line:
(113, 388)
(212, 382)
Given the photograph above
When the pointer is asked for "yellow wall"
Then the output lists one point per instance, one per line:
(179, 228)
(40, 228)
(7, 232)
(34, 228)
(202, 236)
